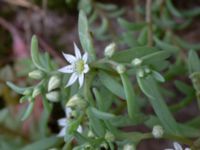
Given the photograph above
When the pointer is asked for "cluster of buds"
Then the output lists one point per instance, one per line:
(53, 84)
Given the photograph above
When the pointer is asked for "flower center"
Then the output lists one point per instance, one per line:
(79, 66)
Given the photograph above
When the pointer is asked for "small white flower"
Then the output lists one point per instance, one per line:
(63, 122)
(78, 66)
(177, 146)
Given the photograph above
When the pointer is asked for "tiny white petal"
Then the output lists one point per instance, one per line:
(72, 79)
(62, 132)
(187, 149)
(80, 129)
(85, 57)
(62, 122)
(86, 68)
(67, 69)
(81, 79)
(69, 58)
(68, 111)
(177, 146)
(77, 51)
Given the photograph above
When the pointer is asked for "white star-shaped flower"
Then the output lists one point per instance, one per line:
(177, 146)
(78, 66)
(63, 122)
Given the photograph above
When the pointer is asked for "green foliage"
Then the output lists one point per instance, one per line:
(117, 89)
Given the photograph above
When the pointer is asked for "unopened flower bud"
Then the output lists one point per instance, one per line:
(76, 101)
(129, 147)
(110, 50)
(157, 131)
(109, 136)
(27, 92)
(36, 74)
(90, 134)
(36, 92)
(120, 68)
(137, 62)
(140, 73)
(54, 82)
(104, 145)
(147, 70)
(53, 96)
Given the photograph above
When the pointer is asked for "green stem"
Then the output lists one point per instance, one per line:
(179, 139)
(87, 88)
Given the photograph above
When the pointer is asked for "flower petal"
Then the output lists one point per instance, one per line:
(80, 129)
(187, 149)
(177, 146)
(69, 58)
(85, 57)
(72, 79)
(62, 132)
(86, 68)
(81, 79)
(68, 111)
(66, 69)
(62, 122)
(77, 51)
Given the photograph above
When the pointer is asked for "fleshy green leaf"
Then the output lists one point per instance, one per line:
(111, 84)
(35, 54)
(95, 124)
(84, 35)
(172, 9)
(132, 106)
(156, 57)
(126, 56)
(193, 62)
(15, 88)
(150, 89)
(158, 76)
(142, 38)
(101, 115)
(131, 26)
(42, 144)
(166, 46)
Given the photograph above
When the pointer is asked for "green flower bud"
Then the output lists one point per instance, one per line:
(36, 92)
(120, 68)
(146, 69)
(140, 73)
(36, 74)
(90, 134)
(54, 82)
(53, 96)
(157, 131)
(27, 92)
(76, 101)
(104, 145)
(110, 50)
(109, 136)
(129, 147)
(137, 62)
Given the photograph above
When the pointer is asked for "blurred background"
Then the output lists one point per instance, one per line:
(55, 24)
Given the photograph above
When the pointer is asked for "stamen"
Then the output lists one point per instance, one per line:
(79, 66)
